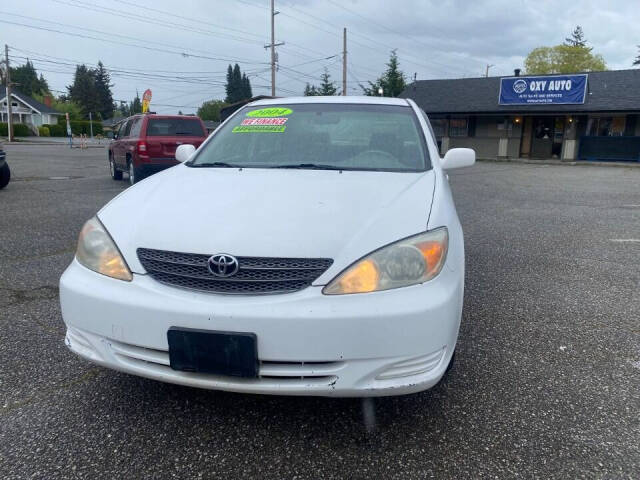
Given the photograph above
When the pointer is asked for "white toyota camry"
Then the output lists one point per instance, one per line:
(309, 247)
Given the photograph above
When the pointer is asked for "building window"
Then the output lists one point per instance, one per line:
(458, 127)
(438, 127)
(606, 126)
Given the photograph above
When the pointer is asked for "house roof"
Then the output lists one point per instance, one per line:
(610, 91)
(41, 107)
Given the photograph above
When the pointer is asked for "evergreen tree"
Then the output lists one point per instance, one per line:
(124, 109)
(103, 91)
(637, 60)
(230, 86)
(27, 80)
(246, 87)
(310, 91)
(327, 87)
(136, 105)
(238, 86)
(576, 39)
(392, 80)
(83, 91)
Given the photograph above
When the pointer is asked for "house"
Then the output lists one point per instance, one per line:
(26, 110)
(587, 116)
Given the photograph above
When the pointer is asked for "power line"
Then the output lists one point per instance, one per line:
(79, 35)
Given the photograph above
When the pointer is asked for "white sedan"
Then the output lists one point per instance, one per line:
(309, 247)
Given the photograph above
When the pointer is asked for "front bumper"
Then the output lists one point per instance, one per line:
(384, 343)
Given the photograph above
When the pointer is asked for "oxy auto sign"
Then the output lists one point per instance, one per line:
(556, 89)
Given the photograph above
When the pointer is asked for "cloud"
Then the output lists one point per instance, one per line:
(434, 39)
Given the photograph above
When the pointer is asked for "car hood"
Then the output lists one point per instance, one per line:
(269, 213)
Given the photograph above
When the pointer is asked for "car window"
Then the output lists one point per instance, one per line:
(345, 136)
(135, 127)
(125, 129)
(170, 127)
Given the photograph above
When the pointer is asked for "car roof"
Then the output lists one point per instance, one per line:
(360, 99)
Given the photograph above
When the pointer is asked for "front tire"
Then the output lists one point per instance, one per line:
(5, 175)
(115, 173)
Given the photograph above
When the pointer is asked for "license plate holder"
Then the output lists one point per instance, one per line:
(232, 354)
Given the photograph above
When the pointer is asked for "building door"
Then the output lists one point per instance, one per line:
(542, 138)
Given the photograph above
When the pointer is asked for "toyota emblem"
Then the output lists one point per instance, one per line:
(223, 265)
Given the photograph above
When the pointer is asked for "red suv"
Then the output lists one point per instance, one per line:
(146, 143)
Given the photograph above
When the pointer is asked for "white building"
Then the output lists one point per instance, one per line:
(26, 110)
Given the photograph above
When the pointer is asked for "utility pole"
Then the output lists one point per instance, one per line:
(273, 46)
(344, 61)
(486, 72)
(9, 112)
(91, 125)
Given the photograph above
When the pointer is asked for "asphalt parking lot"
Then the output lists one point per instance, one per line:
(546, 382)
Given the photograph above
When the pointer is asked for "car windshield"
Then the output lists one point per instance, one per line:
(319, 136)
(169, 127)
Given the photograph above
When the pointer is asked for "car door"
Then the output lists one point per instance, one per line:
(120, 155)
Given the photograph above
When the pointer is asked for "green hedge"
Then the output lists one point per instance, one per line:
(19, 130)
(78, 127)
(58, 130)
(43, 131)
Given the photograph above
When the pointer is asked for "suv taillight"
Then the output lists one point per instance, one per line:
(142, 147)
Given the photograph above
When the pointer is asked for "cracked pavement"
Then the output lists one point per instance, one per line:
(546, 382)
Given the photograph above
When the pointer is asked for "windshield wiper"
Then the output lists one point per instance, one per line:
(314, 166)
(216, 164)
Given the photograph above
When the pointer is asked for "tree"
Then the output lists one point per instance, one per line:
(392, 81)
(637, 60)
(124, 110)
(310, 91)
(27, 81)
(136, 105)
(83, 91)
(563, 59)
(210, 110)
(327, 87)
(576, 39)
(63, 104)
(238, 86)
(103, 91)
(246, 87)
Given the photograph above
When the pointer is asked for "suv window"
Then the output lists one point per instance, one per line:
(124, 130)
(135, 127)
(170, 127)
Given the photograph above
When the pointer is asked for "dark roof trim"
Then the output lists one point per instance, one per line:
(41, 107)
(610, 91)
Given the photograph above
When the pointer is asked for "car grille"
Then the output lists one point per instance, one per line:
(256, 275)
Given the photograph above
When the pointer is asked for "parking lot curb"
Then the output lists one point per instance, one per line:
(562, 163)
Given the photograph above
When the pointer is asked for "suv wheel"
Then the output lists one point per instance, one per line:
(5, 175)
(135, 174)
(115, 173)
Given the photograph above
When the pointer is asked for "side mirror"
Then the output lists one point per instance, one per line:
(184, 152)
(458, 158)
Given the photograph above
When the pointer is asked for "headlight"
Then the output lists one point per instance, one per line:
(97, 252)
(407, 262)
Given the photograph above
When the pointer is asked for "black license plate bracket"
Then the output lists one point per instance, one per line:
(232, 354)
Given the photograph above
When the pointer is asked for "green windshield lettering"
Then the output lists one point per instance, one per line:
(270, 112)
(259, 129)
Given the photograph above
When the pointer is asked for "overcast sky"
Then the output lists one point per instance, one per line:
(181, 49)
